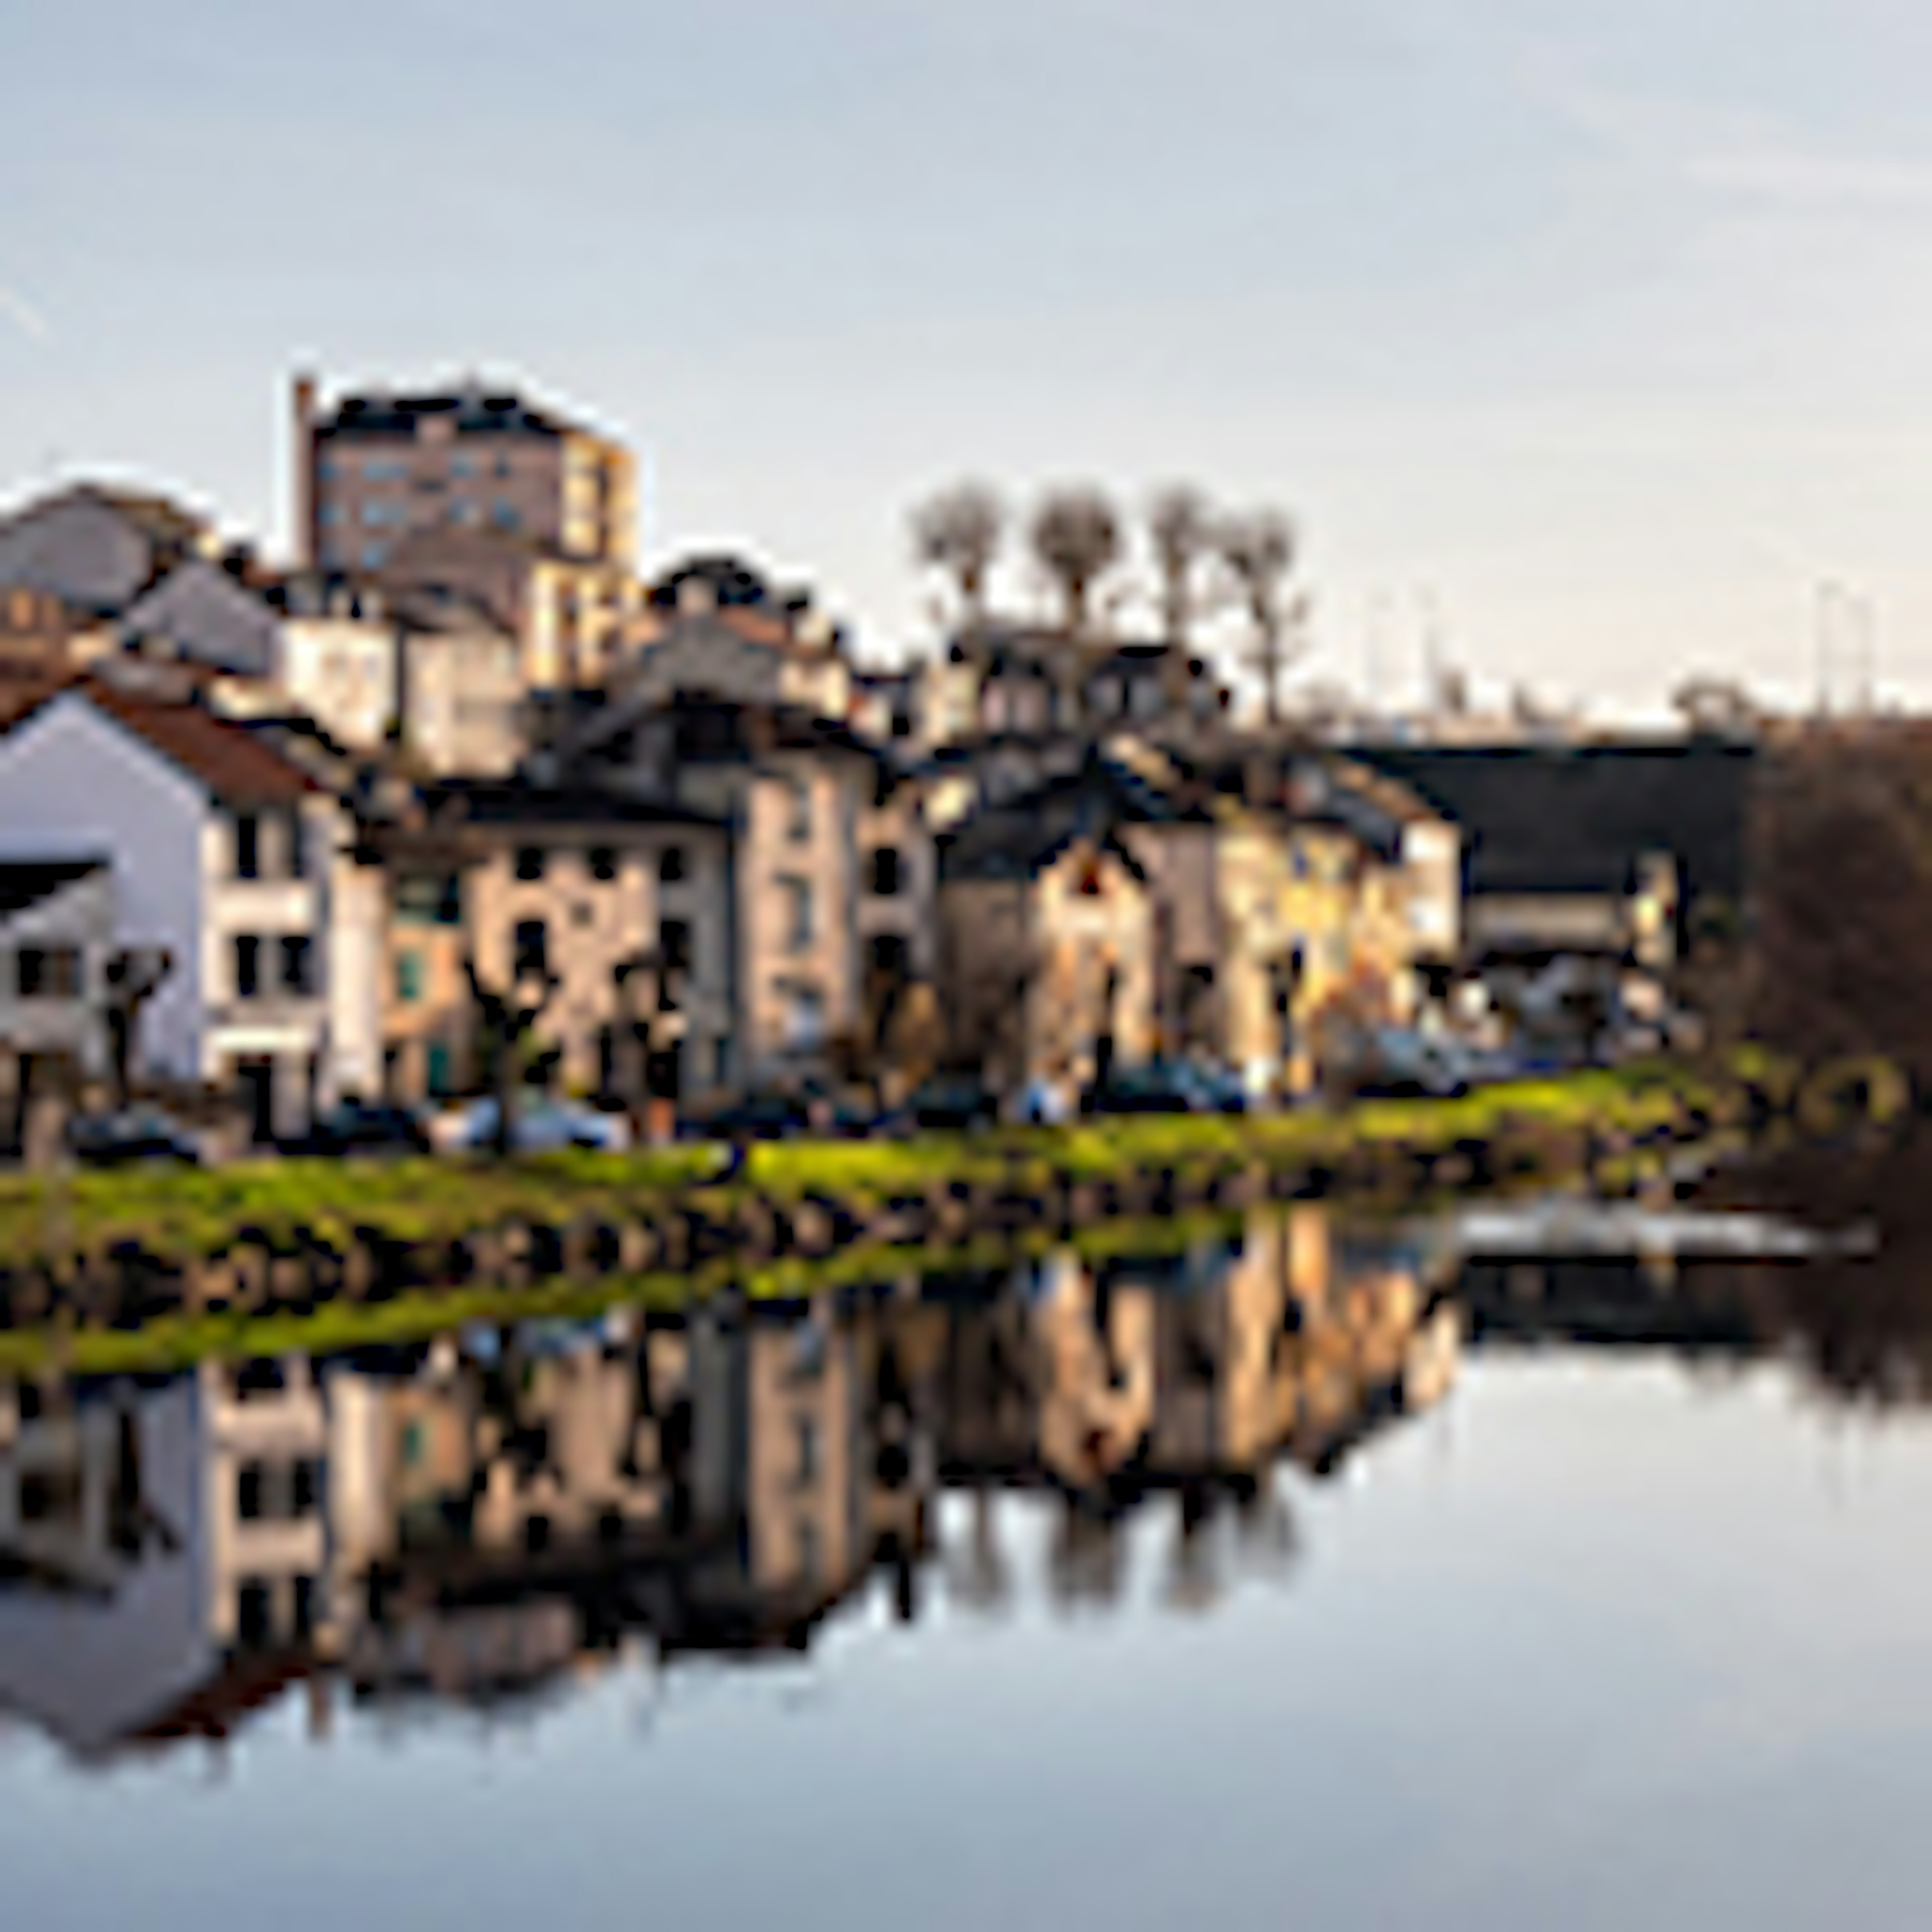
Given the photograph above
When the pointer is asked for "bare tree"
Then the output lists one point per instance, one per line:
(1258, 548)
(959, 531)
(1181, 528)
(506, 1024)
(1075, 536)
(134, 977)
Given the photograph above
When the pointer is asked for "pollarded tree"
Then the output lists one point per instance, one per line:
(1181, 528)
(959, 531)
(1075, 536)
(1258, 548)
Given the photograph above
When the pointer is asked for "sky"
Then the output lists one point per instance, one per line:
(1595, 342)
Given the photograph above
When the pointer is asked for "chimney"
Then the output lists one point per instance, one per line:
(307, 539)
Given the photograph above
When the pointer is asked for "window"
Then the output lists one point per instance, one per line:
(806, 1436)
(886, 871)
(891, 956)
(441, 1063)
(409, 976)
(49, 972)
(797, 895)
(671, 866)
(247, 967)
(798, 809)
(251, 1493)
(603, 863)
(304, 1487)
(298, 858)
(430, 900)
(533, 952)
(254, 1626)
(298, 952)
(529, 863)
(374, 555)
(674, 943)
(504, 515)
(248, 846)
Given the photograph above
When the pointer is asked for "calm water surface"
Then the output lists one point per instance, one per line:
(1311, 1580)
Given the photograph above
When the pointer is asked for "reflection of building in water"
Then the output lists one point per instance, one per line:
(468, 1522)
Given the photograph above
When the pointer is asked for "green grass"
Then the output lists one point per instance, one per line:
(177, 1216)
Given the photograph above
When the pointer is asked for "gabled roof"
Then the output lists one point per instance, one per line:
(97, 548)
(204, 614)
(227, 761)
(1020, 838)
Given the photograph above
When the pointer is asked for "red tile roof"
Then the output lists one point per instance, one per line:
(231, 762)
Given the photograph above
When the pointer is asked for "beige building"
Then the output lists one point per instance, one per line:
(794, 790)
(373, 469)
(573, 887)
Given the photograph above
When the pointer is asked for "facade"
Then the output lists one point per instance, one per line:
(231, 862)
(374, 468)
(615, 902)
(791, 789)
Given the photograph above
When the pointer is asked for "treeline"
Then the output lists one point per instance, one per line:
(1833, 960)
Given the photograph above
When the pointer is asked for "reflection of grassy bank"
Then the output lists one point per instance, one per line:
(176, 1342)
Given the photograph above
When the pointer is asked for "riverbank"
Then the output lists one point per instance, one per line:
(115, 1271)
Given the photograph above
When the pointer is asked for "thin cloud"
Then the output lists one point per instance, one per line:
(24, 315)
(1796, 178)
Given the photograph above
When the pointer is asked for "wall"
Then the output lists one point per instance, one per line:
(73, 782)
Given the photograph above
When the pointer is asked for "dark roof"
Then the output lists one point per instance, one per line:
(24, 883)
(703, 729)
(1020, 838)
(1578, 818)
(513, 803)
(472, 410)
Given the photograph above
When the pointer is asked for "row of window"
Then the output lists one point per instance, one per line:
(269, 844)
(278, 1492)
(291, 956)
(602, 860)
(530, 953)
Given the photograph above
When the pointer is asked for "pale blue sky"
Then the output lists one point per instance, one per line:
(1606, 326)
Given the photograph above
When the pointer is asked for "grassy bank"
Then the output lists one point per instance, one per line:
(118, 1271)
(175, 1216)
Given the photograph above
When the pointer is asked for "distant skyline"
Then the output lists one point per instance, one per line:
(1600, 331)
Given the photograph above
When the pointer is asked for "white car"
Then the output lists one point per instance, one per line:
(537, 1126)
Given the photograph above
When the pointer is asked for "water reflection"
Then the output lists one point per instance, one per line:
(475, 1519)
(487, 1517)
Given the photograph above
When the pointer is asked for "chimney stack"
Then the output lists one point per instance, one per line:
(307, 535)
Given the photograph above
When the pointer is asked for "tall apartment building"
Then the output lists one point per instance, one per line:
(371, 469)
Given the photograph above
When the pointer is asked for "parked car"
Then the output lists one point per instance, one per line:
(949, 1103)
(365, 1127)
(779, 1113)
(757, 1116)
(133, 1134)
(538, 1125)
(1169, 1087)
(1397, 1062)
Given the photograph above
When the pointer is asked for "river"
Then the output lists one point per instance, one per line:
(1320, 1574)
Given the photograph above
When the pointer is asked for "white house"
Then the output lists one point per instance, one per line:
(232, 860)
